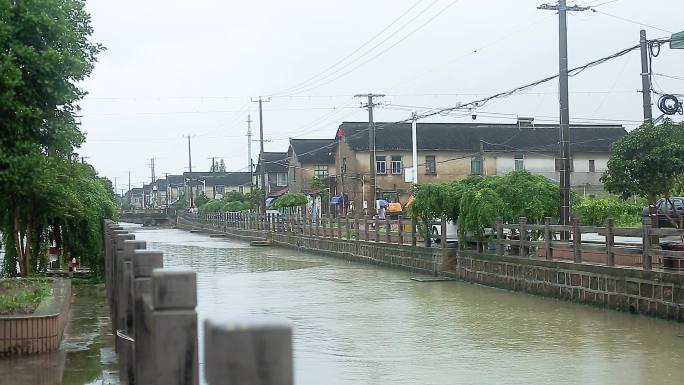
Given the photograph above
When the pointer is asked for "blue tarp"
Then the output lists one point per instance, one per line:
(337, 200)
(269, 201)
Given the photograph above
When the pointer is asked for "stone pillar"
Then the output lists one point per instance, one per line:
(414, 227)
(339, 227)
(125, 313)
(548, 238)
(647, 262)
(244, 352)
(144, 262)
(576, 240)
(522, 221)
(610, 242)
(174, 327)
(499, 236)
(377, 230)
(117, 289)
(462, 242)
(401, 230)
(388, 229)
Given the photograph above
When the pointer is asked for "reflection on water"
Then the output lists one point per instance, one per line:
(356, 324)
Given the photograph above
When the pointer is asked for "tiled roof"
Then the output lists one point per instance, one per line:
(314, 151)
(494, 137)
(274, 162)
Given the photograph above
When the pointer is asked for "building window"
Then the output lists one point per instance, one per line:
(321, 171)
(241, 189)
(430, 165)
(476, 166)
(281, 179)
(519, 162)
(218, 189)
(294, 174)
(380, 165)
(396, 164)
(592, 165)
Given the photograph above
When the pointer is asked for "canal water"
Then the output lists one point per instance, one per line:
(357, 324)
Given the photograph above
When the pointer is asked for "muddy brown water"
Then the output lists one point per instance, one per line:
(357, 324)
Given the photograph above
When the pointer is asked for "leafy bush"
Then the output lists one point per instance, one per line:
(290, 200)
(595, 211)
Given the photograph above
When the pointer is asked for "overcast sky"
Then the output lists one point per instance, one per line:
(175, 68)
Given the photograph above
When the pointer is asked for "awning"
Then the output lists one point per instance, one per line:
(337, 200)
(269, 201)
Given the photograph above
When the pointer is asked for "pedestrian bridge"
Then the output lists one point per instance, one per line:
(147, 217)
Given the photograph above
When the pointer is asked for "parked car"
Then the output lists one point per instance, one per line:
(674, 209)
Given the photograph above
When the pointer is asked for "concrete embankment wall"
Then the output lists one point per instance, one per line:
(655, 293)
(41, 331)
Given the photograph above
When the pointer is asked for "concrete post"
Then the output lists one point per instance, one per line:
(377, 229)
(339, 227)
(318, 226)
(118, 284)
(388, 229)
(414, 230)
(144, 262)
(401, 230)
(356, 228)
(610, 242)
(331, 232)
(348, 229)
(174, 326)
(125, 313)
(499, 236)
(443, 224)
(548, 238)
(522, 221)
(245, 352)
(366, 229)
(576, 240)
(647, 262)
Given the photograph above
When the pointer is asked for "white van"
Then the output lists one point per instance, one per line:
(452, 232)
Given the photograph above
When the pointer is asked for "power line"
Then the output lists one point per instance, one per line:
(348, 56)
(631, 21)
(386, 49)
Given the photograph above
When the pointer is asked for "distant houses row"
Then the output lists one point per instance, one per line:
(345, 167)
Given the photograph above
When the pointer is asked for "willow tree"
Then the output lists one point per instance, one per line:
(44, 53)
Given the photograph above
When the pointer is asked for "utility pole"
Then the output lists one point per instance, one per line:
(129, 188)
(190, 171)
(371, 141)
(414, 146)
(565, 168)
(153, 176)
(645, 78)
(261, 153)
(166, 192)
(249, 147)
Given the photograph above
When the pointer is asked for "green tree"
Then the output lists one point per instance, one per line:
(647, 162)
(44, 53)
(290, 200)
